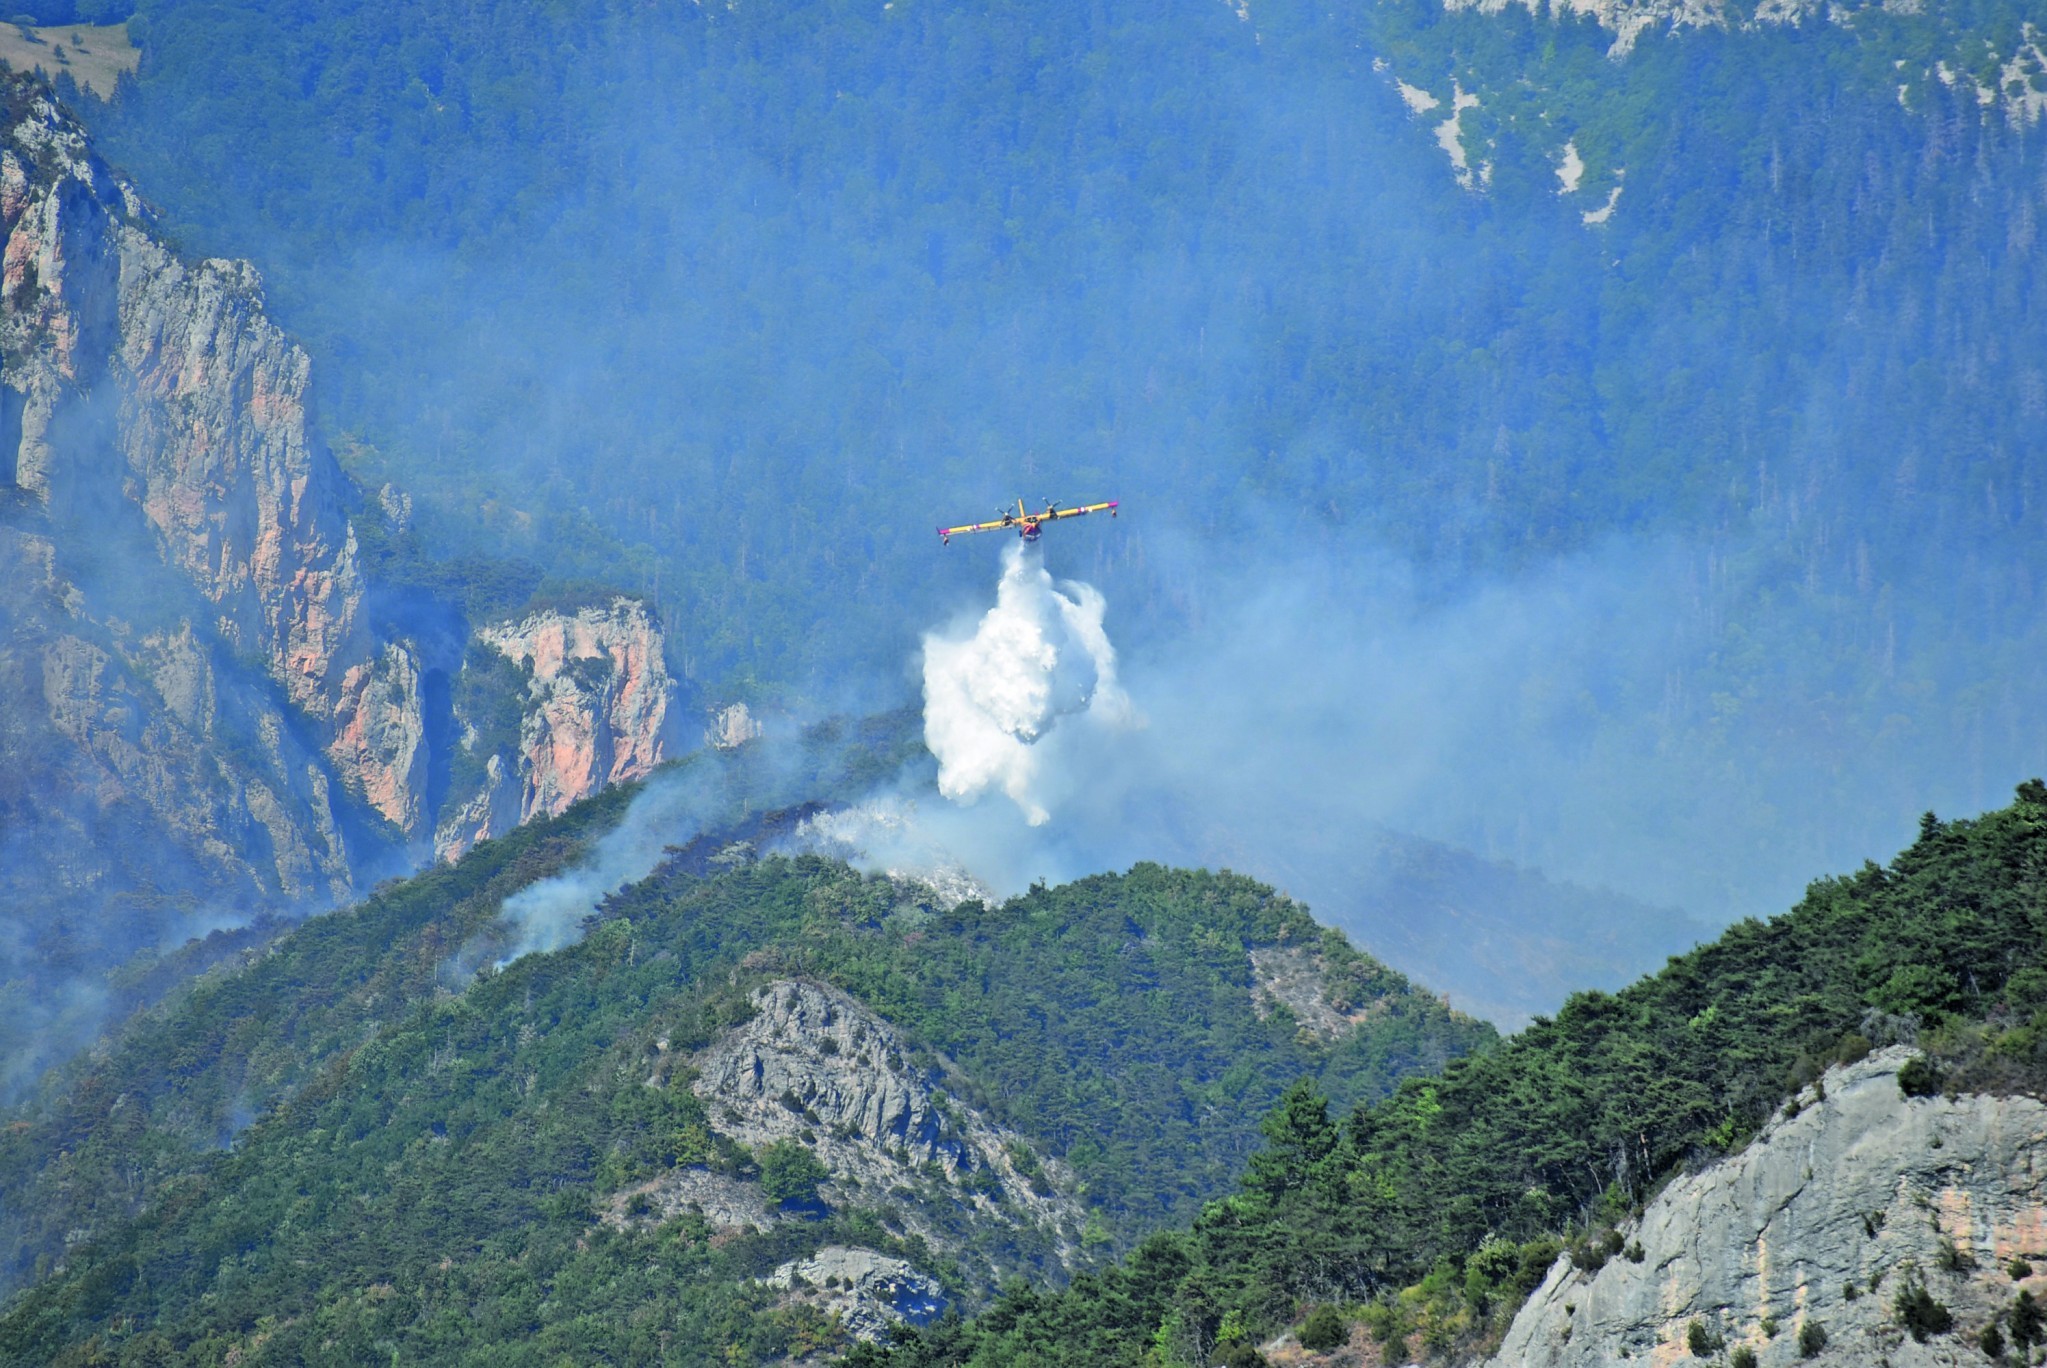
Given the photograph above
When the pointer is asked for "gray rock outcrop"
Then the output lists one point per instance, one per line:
(1295, 977)
(870, 1293)
(724, 1202)
(1824, 1219)
(815, 1065)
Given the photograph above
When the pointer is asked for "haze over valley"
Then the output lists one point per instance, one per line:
(518, 842)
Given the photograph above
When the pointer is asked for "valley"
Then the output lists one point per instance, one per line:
(1519, 846)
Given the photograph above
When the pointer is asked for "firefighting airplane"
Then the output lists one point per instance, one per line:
(1028, 525)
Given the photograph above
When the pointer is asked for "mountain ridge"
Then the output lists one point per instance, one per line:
(1012, 1006)
(1424, 1221)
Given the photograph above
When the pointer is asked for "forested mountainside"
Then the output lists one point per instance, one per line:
(1429, 1216)
(336, 1150)
(210, 711)
(1715, 338)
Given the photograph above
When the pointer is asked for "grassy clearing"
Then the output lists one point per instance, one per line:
(94, 54)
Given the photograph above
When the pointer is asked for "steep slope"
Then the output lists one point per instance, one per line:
(110, 338)
(1422, 1221)
(1831, 1218)
(734, 1077)
(107, 1132)
(207, 708)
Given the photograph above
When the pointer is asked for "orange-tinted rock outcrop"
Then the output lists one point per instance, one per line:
(594, 715)
(114, 342)
(200, 722)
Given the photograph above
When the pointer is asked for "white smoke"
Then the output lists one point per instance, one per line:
(994, 698)
(676, 806)
(887, 835)
(549, 914)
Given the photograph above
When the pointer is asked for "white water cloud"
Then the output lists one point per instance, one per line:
(997, 697)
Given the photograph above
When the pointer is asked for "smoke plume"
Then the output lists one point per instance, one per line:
(705, 790)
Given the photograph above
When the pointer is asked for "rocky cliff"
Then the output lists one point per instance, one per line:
(138, 383)
(593, 713)
(815, 1067)
(1897, 1228)
(199, 718)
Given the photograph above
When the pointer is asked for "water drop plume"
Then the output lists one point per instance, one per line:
(1031, 671)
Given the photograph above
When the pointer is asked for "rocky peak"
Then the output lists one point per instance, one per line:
(1826, 1219)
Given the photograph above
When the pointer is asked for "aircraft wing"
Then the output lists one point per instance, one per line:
(995, 526)
(1109, 507)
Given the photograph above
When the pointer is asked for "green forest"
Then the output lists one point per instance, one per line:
(426, 1178)
(336, 1156)
(1434, 1212)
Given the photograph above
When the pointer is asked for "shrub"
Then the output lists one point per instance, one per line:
(2020, 1270)
(1536, 1257)
(2027, 1321)
(1743, 1357)
(1921, 1315)
(1384, 1321)
(1592, 1252)
(1240, 1354)
(1323, 1330)
(790, 1174)
(1812, 1337)
(1918, 1078)
(1991, 1341)
(1697, 1340)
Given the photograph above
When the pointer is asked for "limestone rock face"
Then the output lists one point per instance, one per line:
(817, 1067)
(871, 1293)
(491, 810)
(1863, 1188)
(597, 703)
(135, 384)
(731, 727)
(199, 721)
(1628, 20)
(2001, 83)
